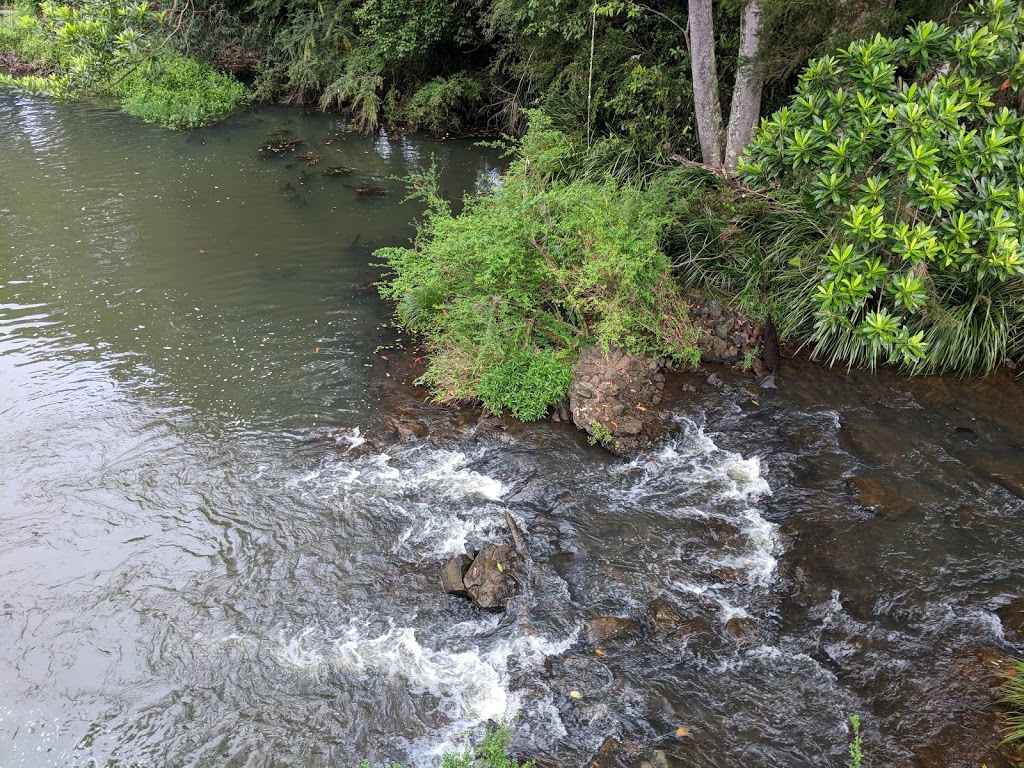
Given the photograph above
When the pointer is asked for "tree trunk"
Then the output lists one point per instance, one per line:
(746, 96)
(706, 102)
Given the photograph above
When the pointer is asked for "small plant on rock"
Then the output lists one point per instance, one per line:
(599, 433)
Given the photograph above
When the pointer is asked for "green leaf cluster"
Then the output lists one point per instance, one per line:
(110, 48)
(910, 150)
(507, 292)
(491, 752)
(181, 93)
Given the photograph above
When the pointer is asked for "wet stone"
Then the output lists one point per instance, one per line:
(606, 755)
(1011, 616)
(612, 397)
(604, 629)
(875, 496)
(453, 573)
(668, 620)
(742, 629)
(489, 580)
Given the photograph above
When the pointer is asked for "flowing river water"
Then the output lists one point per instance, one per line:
(215, 551)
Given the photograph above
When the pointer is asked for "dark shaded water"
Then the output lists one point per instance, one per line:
(213, 551)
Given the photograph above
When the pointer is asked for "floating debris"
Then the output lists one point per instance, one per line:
(311, 158)
(280, 143)
(371, 191)
(337, 170)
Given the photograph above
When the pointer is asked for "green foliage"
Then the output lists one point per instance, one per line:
(525, 383)
(491, 752)
(106, 47)
(599, 433)
(910, 146)
(28, 45)
(97, 43)
(1011, 696)
(181, 93)
(444, 103)
(856, 748)
(506, 293)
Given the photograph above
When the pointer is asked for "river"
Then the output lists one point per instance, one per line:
(214, 550)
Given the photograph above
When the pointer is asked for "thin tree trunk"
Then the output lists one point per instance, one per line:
(706, 101)
(746, 96)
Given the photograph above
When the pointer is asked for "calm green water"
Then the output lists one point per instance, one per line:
(215, 552)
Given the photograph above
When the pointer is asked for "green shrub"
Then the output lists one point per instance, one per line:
(27, 44)
(909, 152)
(445, 103)
(181, 93)
(101, 48)
(506, 293)
(492, 752)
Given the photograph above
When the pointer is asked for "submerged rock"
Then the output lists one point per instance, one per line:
(872, 494)
(604, 629)
(1011, 616)
(678, 625)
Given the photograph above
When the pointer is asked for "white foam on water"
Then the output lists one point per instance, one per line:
(437, 474)
(760, 559)
(694, 458)
(464, 680)
(302, 652)
(445, 534)
(472, 684)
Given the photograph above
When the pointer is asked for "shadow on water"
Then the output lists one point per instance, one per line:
(223, 511)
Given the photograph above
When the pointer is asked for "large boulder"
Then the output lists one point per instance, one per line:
(613, 397)
(490, 580)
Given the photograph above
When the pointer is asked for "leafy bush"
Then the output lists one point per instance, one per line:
(506, 293)
(29, 46)
(444, 103)
(910, 153)
(106, 47)
(181, 93)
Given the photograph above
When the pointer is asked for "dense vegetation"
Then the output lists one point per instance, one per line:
(108, 49)
(875, 215)
(508, 291)
(910, 153)
(1011, 696)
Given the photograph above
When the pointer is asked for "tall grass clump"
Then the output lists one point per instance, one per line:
(1011, 696)
(506, 293)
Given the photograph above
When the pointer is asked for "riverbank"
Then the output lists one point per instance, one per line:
(215, 546)
(954, 719)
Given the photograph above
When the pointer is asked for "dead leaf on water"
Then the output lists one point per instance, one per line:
(682, 731)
